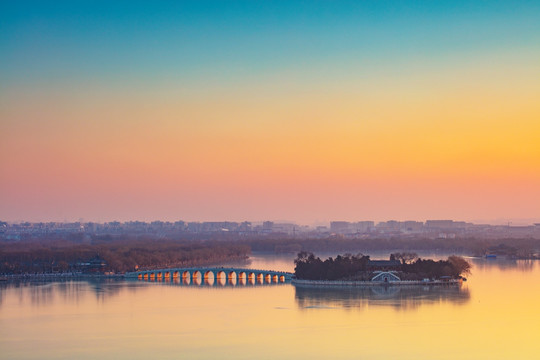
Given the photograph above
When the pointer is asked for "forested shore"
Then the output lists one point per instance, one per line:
(118, 254)
(114, 256)
(511, 248)
(408, 266)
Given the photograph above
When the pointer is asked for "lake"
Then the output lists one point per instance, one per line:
(494, 315)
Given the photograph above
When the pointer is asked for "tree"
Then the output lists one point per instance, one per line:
(410, 257)
(404, 257)
(459, 265)
(313, 268)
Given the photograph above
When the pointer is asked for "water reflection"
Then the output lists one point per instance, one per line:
(42, 293)
(220, 282)
(399, 297)
(490, 316)
(504, 264)
(3, 287)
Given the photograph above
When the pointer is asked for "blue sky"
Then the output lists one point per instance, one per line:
(235, 110)
(69, 40)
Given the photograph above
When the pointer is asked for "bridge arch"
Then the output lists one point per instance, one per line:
(220, 273)
(197, 277)
(209, 277)
(241, 277)
(186, 277)
(221, 276)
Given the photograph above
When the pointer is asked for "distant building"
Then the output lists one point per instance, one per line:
(363, 226)
(346, 227)
(412, 225)
(340, 227)
(94, 265)
(439, 224)
(268, 225)
(286, 228)
(384, 264)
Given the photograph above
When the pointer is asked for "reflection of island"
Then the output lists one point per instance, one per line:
(401, 297)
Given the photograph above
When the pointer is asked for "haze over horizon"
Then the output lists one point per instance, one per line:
(245, 110)
(314, 223)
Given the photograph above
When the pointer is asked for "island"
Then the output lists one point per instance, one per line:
(360, 270)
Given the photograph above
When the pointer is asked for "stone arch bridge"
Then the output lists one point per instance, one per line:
(202, 274)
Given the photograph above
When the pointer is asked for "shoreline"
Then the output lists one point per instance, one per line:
(352, 283)
(70, 276)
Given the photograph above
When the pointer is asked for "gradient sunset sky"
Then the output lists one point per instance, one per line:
(281, 110)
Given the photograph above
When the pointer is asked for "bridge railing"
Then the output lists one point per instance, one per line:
(190, 274)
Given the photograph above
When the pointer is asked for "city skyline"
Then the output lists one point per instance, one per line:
(269, 110)
(492, 222)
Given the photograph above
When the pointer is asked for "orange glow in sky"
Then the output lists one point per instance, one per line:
(430, 135)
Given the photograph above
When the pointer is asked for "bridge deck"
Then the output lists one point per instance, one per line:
(214, 270)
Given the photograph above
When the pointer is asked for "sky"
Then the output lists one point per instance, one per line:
(306, 111)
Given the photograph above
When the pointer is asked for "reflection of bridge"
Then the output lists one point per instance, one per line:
(213, 275)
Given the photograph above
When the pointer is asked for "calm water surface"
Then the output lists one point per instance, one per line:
(494, 315)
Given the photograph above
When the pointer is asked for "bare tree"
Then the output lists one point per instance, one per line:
(460, 265)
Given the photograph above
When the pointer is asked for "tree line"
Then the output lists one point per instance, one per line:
(309, 267)
(359, 267)
(117, 256)
(453, 267)
(514, 248)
